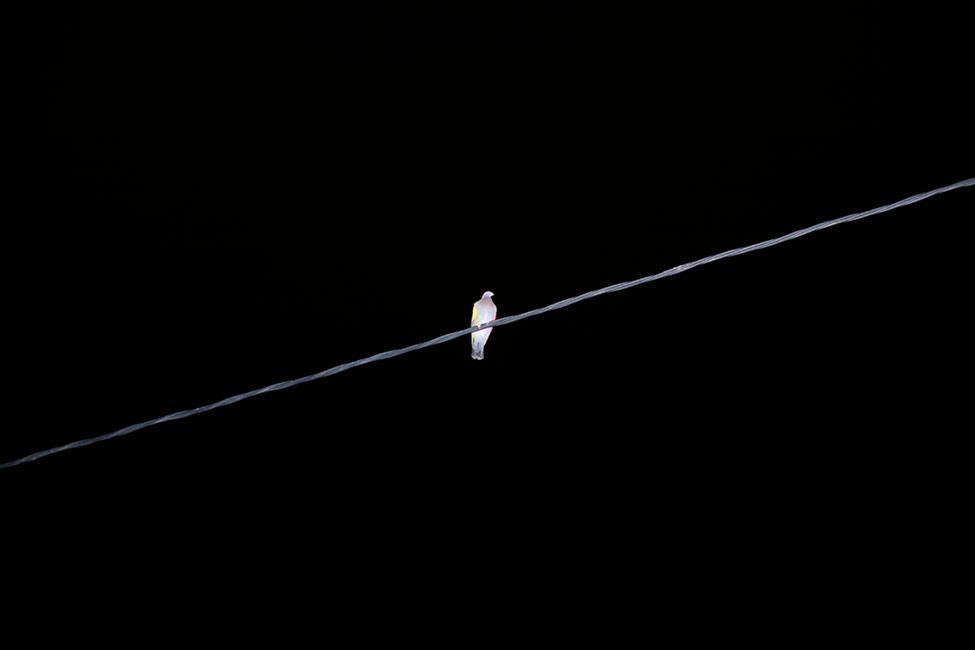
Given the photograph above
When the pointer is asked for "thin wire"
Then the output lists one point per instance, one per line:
(507, 320)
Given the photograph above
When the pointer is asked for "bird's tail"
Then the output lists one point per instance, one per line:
(477, 350)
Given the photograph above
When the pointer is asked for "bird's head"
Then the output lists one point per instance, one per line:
(487, 294)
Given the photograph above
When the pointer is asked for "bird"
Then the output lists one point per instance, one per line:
(484, 312)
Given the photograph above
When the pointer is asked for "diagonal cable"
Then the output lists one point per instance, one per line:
(507, 320)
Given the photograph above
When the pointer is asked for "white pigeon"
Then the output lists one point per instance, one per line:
(484, 312)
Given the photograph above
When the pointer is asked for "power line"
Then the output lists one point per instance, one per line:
(507, 320)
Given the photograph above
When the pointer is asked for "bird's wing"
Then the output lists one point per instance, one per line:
(474, 315)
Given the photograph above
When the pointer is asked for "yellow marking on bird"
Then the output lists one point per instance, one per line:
(474, 315)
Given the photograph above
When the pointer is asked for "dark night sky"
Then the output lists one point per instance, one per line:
(234, 196)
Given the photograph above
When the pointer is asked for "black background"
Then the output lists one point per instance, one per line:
(232, 196)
